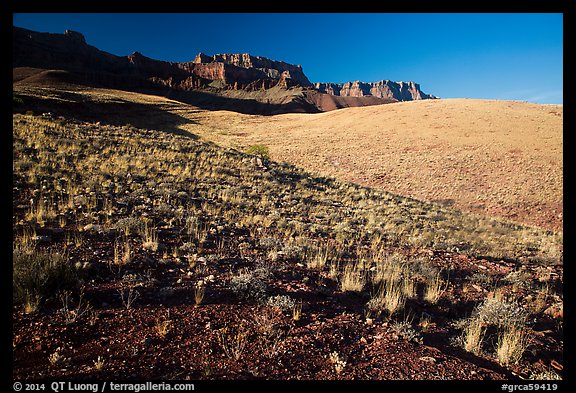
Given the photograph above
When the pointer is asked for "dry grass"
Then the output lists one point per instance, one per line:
(163, 326)
(353, 278)
(468, 153)
(233, 341)
(473, 336)
(389, 297)
(218, 175)
(434, 289)
(209, 205)
(512, 343)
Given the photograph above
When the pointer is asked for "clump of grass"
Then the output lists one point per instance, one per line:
(508, 321)
(512, 343)
(319, 260)
(122, 255)
(55, 358)
(435, 289)
(389, 297)
(233, 341)
(199, 291)
(99, 363)
(353, 278)
(405, 330)
(259, 150)
(297, 311)
(163, 326)
(38, 275)
(150, 239)
(473, 336)
(338, 361)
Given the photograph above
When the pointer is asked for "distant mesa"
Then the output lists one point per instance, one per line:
(272, 86)
(401, 91)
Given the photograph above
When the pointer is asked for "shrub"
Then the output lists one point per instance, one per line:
(248, 287)
(508, 318)
(259, 150)
(17, 101)
(405, 330)
(233, 341)
(42, 274)
(281, 302)
(500, 313)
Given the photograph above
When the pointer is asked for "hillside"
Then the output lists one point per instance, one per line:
(165, 256)
(468, 154)
(496, 158)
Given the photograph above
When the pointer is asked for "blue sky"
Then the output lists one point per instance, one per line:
(488, 56)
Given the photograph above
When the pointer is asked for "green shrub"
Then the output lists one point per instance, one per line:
(260, 150)
(41, 274)
(17, 101)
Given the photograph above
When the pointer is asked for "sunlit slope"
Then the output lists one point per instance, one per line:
(497, 158)
(500, 158)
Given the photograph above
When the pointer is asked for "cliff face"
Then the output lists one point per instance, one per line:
(260, 67)
(216, 75)
(69, 51)
(400, 91)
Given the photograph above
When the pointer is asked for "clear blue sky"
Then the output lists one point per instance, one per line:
(489, 56)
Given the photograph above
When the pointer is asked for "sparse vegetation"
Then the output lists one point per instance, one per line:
(338, 362)
(144, 217)
(259, 150)
(40, 274)
(233, 341)
(512, 342)
(503, 319)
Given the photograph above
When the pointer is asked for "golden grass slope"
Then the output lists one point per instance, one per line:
(495, 158)
(499, 158)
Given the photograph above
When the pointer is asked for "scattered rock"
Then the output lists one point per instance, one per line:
(92, 228)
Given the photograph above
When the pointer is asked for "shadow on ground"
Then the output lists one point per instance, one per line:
(116, 112)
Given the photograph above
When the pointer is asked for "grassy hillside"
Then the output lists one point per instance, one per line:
(82, 173)
(495, 158)
(148, 253)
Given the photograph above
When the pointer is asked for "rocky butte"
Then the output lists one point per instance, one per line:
(401, 91)
(242, 82)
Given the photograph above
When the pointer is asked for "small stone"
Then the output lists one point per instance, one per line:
(93, 228)
(428, 359)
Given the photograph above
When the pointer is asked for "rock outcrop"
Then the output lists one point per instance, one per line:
(400, 91)
(260, 67)
(234, 77)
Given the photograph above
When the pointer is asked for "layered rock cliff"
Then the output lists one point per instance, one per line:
(69, 51)
(400, 91)
(228, 80)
